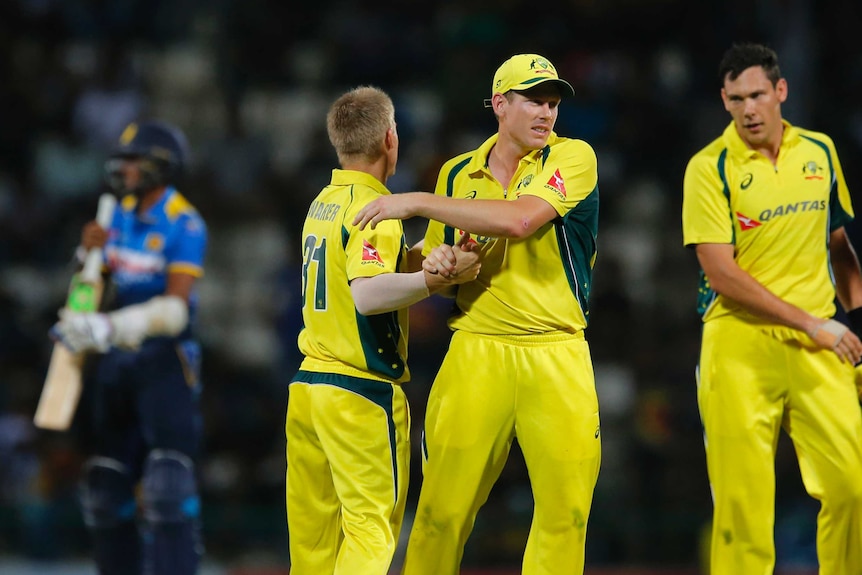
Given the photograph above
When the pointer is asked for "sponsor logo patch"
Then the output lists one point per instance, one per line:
(746, 223)
(154, 242)
(370, 253)
(557, 183)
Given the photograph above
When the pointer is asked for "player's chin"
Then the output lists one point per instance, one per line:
(539, 140)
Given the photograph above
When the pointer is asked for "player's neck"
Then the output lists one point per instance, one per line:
(379, 169)
(149, 198)
(772, 147)
(503, 160)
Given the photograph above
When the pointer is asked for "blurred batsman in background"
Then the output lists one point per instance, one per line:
(144, 426)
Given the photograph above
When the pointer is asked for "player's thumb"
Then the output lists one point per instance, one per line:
(466, 243)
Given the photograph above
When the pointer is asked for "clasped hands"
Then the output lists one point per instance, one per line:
(460, 260)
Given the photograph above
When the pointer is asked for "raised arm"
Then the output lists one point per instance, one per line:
(497, 218)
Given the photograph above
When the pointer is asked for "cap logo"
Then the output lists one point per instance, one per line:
(541, 62)
(128, 134)
(525, 71)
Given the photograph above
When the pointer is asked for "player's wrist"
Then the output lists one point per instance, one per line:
(828, 334)
(434, 282)
(420, 204)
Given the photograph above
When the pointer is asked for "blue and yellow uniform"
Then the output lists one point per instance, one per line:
(348, 421)
(518, 365)
(145, 412)
(756, 377)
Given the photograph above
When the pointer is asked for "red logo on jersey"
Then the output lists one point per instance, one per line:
(556, 182)
(370, 253)
(470, 241)
(746, 223)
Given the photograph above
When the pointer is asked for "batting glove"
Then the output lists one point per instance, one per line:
(82, 332)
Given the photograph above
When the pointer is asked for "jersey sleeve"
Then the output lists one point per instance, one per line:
(569, 175)
(371, 252)
(706, 217)
(186, 254)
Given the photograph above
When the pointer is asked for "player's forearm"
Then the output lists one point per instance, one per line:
(740, 287)
(495, 218)
(166, 315)
(734, 283)
(393, 291)
(388, 292)
(127, 327)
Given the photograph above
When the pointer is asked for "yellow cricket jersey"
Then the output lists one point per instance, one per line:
(542, 283)
(777, 217)
(335, 338)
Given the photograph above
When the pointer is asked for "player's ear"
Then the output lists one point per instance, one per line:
(497, 101)
(781, 90)
(390, 141)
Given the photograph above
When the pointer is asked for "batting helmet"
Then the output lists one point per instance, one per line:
(162, 147)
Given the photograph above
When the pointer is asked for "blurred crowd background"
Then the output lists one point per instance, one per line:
(250, 81)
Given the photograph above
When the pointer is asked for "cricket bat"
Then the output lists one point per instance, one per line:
(62, 388)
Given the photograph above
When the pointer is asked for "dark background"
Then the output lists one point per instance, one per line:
(250, 81)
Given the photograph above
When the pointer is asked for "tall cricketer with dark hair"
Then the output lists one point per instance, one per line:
(138, 488)
(764, 207)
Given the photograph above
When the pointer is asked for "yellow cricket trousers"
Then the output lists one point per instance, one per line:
(490, 389)
(754, 380)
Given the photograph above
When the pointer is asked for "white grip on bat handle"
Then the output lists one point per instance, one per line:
(93, 261)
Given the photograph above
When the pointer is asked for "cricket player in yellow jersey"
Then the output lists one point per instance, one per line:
(764, 206)
(348, 421)
(518, 364)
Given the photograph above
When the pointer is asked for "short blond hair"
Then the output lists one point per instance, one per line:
(357, 123)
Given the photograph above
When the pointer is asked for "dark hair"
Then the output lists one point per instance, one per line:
(741, 57)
